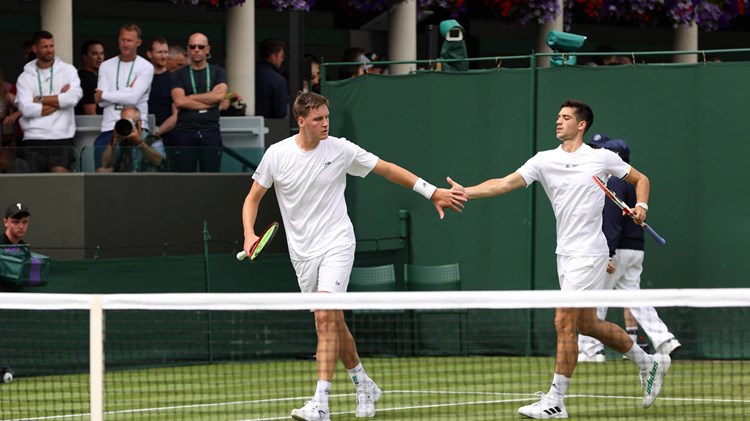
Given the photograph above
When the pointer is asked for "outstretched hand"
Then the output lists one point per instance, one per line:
(444, 198)
(457, 187)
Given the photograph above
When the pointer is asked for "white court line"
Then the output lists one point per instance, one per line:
(520, 397)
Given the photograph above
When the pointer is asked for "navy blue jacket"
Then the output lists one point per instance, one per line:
(270, 91)
(621, 231)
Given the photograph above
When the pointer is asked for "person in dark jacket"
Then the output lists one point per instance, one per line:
(271, 89)
(626, 244)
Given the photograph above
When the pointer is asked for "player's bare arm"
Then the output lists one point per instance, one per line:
(642, 191)
(249, 213)
(441, 198)
(492, 187)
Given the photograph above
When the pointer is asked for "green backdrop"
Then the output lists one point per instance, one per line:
(685, 125)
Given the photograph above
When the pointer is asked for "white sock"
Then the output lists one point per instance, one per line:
(322, 392)
(559, 386)
(358, 375)
(639, 357)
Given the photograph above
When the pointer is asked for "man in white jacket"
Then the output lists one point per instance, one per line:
(123, 80)
(48, 91)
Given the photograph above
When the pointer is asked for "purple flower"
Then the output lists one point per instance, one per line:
(225, 3)
(293, 4)
(709, 15)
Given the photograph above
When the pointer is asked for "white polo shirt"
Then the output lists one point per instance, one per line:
(576, 199)
(310, 188)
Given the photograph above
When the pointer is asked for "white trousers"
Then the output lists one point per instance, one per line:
(628, 268)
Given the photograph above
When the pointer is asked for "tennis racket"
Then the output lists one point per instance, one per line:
(626, 209)
(263, 240)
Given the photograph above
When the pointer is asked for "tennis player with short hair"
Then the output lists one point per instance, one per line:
(582, 252)
(308, 172)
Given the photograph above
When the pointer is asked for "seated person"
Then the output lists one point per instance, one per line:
(132, 149)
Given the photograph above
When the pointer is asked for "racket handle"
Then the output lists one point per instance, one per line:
(653, 234)
(241, 255)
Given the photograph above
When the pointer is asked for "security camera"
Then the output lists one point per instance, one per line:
(564, 42)
(454, 34)
(451, 30)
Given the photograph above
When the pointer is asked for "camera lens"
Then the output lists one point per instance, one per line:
(123, 127)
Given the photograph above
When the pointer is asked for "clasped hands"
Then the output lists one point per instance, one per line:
(453, 198)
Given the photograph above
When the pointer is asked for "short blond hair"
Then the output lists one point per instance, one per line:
(131, 27)
(307, 102)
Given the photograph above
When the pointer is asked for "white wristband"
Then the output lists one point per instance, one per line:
(424, 188)
(644, 205)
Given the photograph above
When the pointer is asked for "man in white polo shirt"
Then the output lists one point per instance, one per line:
(582, 253)
(308, 172)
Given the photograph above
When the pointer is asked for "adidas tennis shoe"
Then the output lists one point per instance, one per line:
(312, 411)
(653, 377)
(547, 408)
(669, 347)
(367, 395)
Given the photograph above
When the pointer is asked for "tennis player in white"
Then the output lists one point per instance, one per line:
(582, 252)
(308, 172)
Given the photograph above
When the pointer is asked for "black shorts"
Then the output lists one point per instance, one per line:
(45, 154)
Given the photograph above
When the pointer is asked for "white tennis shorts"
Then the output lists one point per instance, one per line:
(328, 273)
(628, 268)
(577, 273)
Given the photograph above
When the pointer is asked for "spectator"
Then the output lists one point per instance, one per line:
(48, 90)
(28, 51)
(160, 98)
(123, 80)
(92, 56)
(177, 58)
(374, 58)
(270, 86)
(7, 142)
(197, 90)
(16, 223)
(312, 81)
(11, 119)
(131, 148)
(606, 60)
(353, 54)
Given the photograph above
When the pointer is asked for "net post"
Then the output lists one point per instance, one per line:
(96, 358)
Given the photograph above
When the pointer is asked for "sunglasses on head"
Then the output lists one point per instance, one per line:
(198, 46)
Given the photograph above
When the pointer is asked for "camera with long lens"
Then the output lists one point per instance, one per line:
(125, 127)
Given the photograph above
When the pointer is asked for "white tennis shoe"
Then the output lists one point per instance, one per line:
(312, 411)
(547, 408)
(367, 395)
(653, 377)
(669, 347)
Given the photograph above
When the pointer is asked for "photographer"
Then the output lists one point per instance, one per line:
(132, 149)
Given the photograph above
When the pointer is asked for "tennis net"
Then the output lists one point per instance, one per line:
(436, 355)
